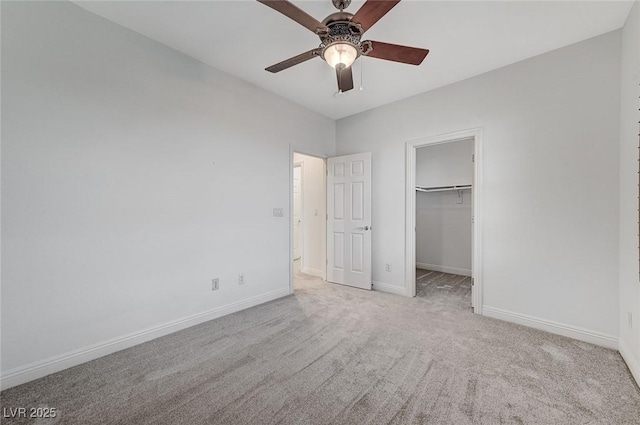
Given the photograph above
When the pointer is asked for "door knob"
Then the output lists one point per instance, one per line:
(365, 228)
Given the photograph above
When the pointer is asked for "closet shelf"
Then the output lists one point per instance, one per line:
(442, 188)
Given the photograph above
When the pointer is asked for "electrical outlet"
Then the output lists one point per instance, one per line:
(215, 284)
(388, 267)
(241, 279)
(630, 318)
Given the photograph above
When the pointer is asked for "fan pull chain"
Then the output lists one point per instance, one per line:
(361, 65)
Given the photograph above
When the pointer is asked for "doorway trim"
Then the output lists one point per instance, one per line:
(293, 149)
(299, 164)
(410, 210)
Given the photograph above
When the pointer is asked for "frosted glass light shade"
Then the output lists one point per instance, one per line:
(340, 53)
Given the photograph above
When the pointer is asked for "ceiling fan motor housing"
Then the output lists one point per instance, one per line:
(342, 30)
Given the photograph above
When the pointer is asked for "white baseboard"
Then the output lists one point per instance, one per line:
(574, 332)
(390, 289)
(444, 269)
(633, 363)
(23, 374)
(312, 272)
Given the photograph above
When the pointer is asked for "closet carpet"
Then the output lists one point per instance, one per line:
(452, 289)
(336, 355)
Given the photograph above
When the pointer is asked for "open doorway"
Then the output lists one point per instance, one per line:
(443, 227)
(444, 190)
(308, 221)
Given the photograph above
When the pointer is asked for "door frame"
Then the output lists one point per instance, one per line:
(410, 210)
(301, 241)
(294, 149)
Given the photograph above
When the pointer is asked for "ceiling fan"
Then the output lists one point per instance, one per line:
(340, 38)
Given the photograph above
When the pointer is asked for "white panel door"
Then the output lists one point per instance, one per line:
(297, 212)
(349, 220)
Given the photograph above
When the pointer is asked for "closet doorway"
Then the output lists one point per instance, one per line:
(443, 193)
(308, 224)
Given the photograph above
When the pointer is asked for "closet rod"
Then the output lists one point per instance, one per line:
(442, 188)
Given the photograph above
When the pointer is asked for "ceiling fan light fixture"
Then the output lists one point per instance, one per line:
(340, 55)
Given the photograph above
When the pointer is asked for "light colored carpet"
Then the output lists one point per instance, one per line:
(333, 354)
(452, 289)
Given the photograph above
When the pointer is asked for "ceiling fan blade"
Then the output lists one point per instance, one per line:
(397, 53)
(345, 79)
(290, 10)
(372, 11)
(294, 61)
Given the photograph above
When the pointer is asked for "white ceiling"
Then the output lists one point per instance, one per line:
(464, 38)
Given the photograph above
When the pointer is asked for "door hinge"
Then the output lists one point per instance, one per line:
(473, 157)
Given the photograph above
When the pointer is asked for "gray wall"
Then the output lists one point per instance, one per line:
(443, 232)
(550, 131)
(445, 164)
(131, 176)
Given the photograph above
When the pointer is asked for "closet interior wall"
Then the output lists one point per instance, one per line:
(444, 217)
